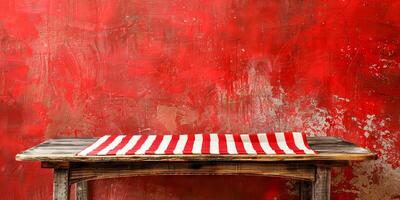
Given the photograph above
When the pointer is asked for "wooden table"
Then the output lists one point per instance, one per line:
(312, 170)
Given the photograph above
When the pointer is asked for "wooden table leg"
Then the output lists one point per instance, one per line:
(321, 188)
(61, 184)
(81, 190)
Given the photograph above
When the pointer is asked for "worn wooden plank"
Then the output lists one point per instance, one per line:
(81, 190)
(328, 148)
(92, 171)
(55, 165)
(322, 185)
(181, 158)
(61, 184)
(178, 158)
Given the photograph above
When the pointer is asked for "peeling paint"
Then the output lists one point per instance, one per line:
(369, 125)
(370, 186)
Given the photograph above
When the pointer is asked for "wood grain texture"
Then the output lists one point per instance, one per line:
(61, 184)
(328, 148)
(322, 185)
(81, 192)
(92, 171)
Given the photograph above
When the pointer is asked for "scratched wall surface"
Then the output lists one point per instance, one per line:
(71, 68)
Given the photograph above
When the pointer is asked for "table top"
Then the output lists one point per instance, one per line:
(65, 150)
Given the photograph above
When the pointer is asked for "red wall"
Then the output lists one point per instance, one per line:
(71, 68)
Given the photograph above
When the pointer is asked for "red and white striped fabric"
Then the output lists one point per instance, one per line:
(219, 144)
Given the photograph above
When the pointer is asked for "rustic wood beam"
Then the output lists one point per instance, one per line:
(321, 187)
(61, 184)
(81, 190)
(93, 171)
(55, 165)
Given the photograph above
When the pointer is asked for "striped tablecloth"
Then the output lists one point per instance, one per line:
(229, 144)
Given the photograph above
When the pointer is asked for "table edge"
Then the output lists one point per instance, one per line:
(177, 158)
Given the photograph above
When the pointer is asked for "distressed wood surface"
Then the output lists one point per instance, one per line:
(61, 184)
(328, 148)
(81, 192)
(92, 171)
(321, 187)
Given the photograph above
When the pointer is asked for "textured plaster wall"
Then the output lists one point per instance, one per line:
(71, 68)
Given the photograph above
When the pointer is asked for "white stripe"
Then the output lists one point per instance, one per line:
(214, 147)
(146, 145)
(262, 137)
(129, 145)
(299, 142)
(112, 145)
(247, 144)
(230, 144)
(164, 144)
(198, 141)
(280, 139)
(94, 145)
(181, 144)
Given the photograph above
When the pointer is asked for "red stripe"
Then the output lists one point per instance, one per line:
(121, 145)
(155, 145)
(290, 143)
(306, 141)
(256, 143)
(138, 144)
(189, 145)
(223, 149)
(172, 144)
(239, 144)
(205, 148)
(102, 146)
(273, 143)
